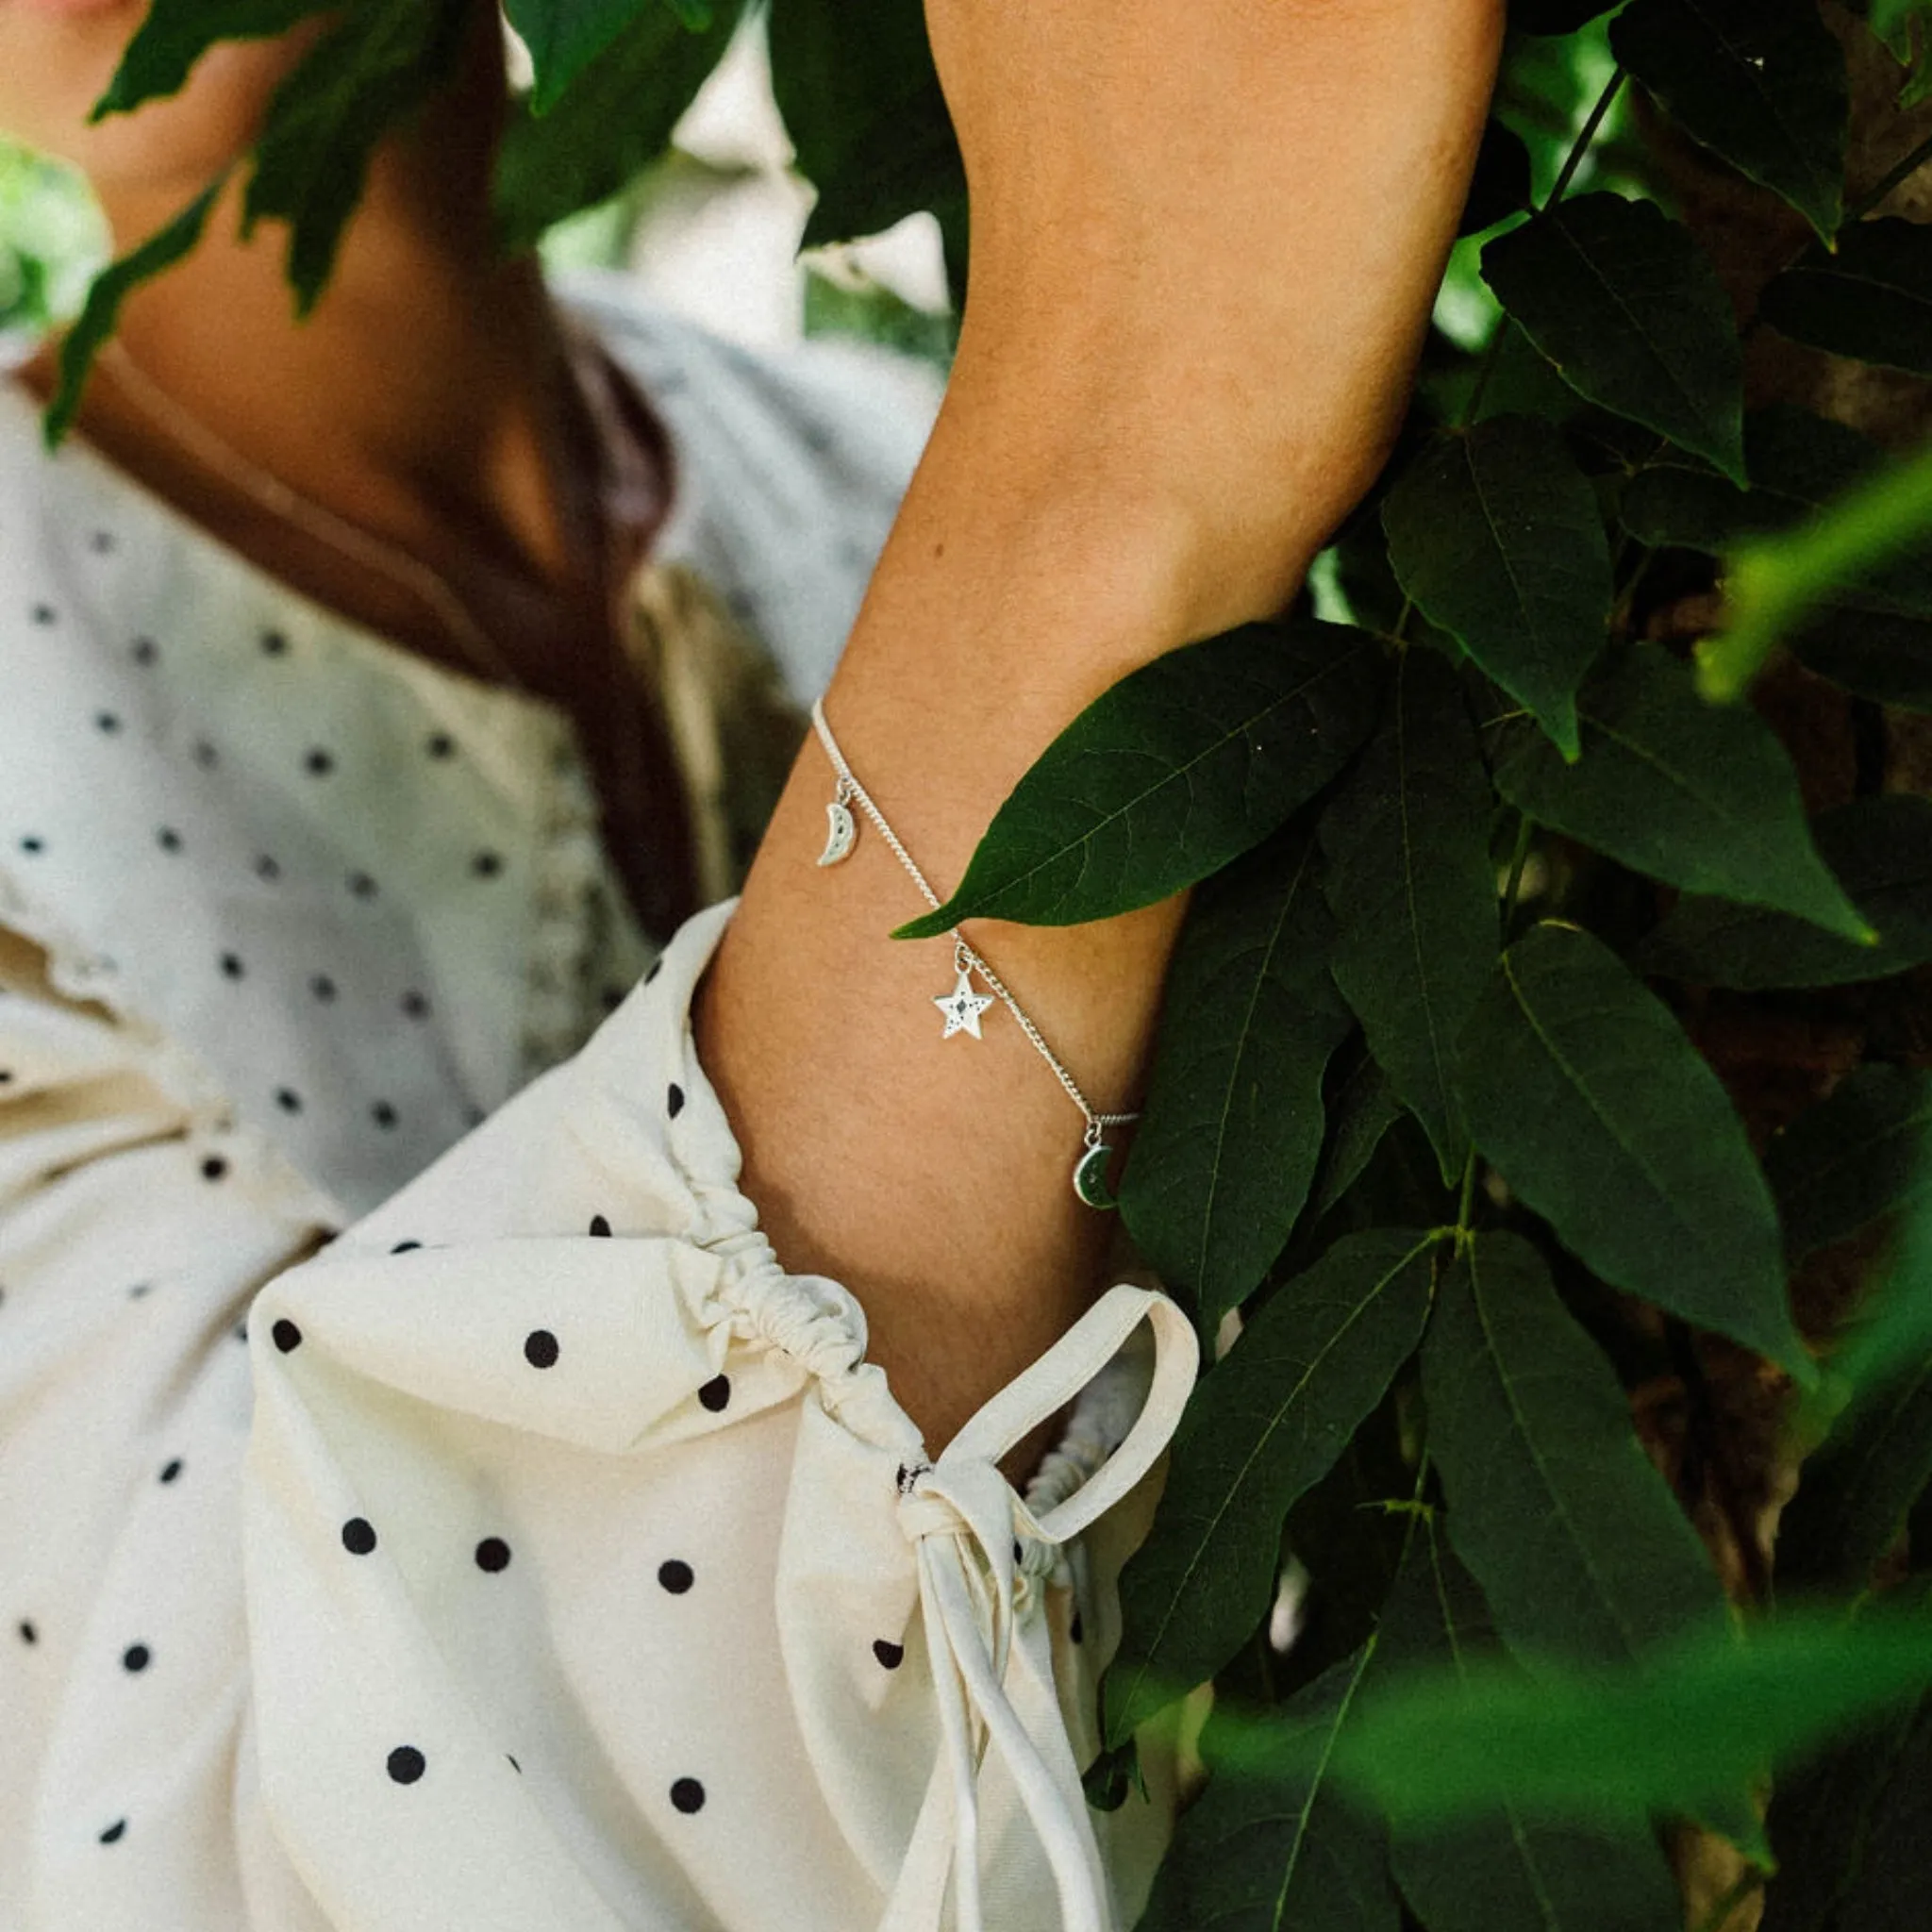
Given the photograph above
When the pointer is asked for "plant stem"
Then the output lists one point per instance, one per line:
(1586, 136)
(1523, 834)
(1892, 177)
(1585, 139)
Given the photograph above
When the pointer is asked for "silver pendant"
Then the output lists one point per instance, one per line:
(962, 1007)
(842, 833)
(1090, 1182)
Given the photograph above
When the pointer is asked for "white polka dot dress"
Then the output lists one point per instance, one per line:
(409, 1523)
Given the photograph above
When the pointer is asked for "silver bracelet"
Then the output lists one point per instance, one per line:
(963, 1006)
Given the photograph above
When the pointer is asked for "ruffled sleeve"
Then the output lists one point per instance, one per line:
(589, 1576)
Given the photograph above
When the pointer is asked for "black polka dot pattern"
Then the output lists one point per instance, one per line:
(716, 1394)
(889, 1654)
(28, 1634)
(358, 1536)
(136, 1658)
(688, 1795)
(674, 1101)
(539, 1349)
(171, 1470)
(407, 1764)
(493, 1554)
(286, 1336)
(115, 1832)
(599, 1226)
(214, 1168)
(676, 1577)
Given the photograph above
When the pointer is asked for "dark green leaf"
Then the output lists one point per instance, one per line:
(1675, 1733)
(1850, 1830)
(1631, 310)
(1702, 796)
(1264, 1856)
(1853, 1157)
(377, 66)
(1870, 300)
(1504, 1872)
(1582, 1090)
(174, 34)
(565, 36)
(1182, 766)
(1854, 1493)
(1870, 651)
(85, 340)
(1762, 82)
(1881, 850)
(1364, 1110)
(1232, 1124)
(1267, 1423)
(611, 123)
(862, 103)
(1411, 884)
(1576, 1543)
(1495, 535)
(1501, 185)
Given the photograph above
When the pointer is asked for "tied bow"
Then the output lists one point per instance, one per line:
(963, 1517)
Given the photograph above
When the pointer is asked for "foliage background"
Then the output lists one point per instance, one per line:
(1545, 1070)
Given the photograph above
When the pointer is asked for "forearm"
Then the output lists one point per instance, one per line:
(931, 1175)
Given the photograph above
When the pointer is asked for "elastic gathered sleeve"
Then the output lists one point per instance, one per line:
(580, 1572)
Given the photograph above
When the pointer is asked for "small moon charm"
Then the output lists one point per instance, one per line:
(1090, 1176)
(842, 833)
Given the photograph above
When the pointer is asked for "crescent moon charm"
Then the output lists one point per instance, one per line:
(1091, 1181)
(842, 833)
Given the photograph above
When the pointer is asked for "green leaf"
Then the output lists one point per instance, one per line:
(174, 34)
(1504, 1873)
(1631, 310)
(1411, 884)
(1853, 1157)
(1260, 1855)
(1674, 1733)
(1232, 1126)
(565, 36)
(1579, 1547)
(352, 88)
(1761, 82)
(862, 102)
(1582, 1090)
(1854, 1493)
(1870, 299)
(110, 288)
(1182, 766)
(1363, 1111)
(1702, 796)
(1266, 1424)
(1495, 535)
(1849, 1829)
(613, 120)
(1881, 851)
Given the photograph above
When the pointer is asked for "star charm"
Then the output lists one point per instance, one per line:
(962, 1008)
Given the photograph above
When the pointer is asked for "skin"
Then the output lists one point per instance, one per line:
(1205, 246)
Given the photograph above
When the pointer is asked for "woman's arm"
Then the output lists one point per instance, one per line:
(1205, 244)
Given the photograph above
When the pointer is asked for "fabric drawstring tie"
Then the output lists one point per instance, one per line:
(963, 1517)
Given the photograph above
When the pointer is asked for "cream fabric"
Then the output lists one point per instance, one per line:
(546, 1557)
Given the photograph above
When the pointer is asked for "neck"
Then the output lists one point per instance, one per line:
(426, 399)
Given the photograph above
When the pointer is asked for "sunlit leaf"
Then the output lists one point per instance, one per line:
(1496, 535)
(1700, 795)
(1631, 310)
(1232, 1126)
(1267, 1423)
(1413, 887)
(564, 36)
(1182, 766)
(1584, 1092)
